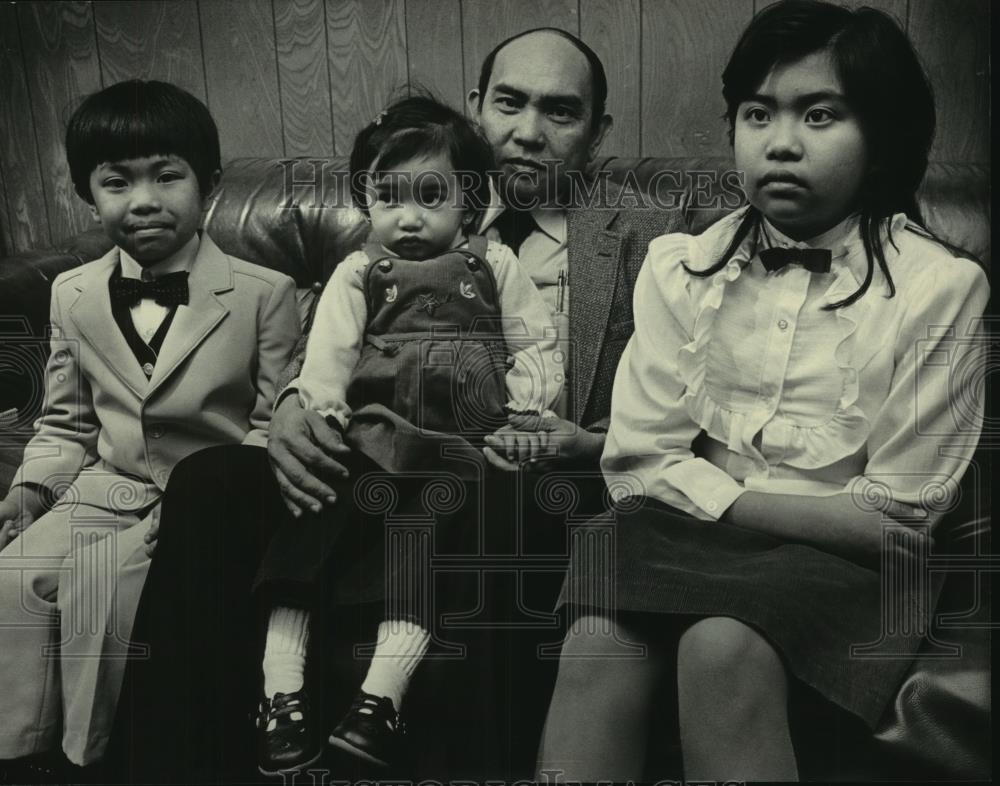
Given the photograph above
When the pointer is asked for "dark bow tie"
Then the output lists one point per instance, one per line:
(815, 260)
(169, 290)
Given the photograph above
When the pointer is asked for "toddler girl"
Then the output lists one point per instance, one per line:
(407, 358)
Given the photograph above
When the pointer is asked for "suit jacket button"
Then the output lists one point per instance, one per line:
(147, 369)
(317, 287)
(156, 431)
(385, 265)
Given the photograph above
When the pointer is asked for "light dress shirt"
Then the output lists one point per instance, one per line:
(544, 257)
(743, 380)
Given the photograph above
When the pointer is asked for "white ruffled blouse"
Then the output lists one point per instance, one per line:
(741, 380)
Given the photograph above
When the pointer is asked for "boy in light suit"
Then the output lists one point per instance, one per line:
(162, 347)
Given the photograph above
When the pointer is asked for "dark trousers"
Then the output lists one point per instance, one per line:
(478, 703)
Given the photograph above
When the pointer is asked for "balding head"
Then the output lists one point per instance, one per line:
(536, 104)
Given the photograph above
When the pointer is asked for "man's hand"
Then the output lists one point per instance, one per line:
(555, 441)
(17, 513)
(302, 450)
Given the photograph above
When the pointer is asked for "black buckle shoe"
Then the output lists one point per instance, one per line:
(286, 737)
(372, 730)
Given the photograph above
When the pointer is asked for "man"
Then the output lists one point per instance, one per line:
(541, 103)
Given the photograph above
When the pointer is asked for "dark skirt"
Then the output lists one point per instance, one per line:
(839, 627)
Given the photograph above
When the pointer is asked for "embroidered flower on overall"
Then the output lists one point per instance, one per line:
(429, 302)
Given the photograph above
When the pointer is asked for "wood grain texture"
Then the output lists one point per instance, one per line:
(242, 76)
(612, 29)
(303, 76)
(685, 47)
(367, 57)
(485, 23)
(895, 8)
(24, 219)
(434, 39)
(158, 39)
(62, 67)
(953, 40)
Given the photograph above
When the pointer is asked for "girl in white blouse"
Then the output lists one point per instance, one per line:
(789, 421)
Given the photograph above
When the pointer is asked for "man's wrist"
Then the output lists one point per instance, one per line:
(594, 444)
(285, 395)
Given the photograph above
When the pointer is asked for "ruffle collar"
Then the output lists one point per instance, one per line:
(804, 446)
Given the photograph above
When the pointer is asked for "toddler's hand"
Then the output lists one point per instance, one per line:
(523, 439)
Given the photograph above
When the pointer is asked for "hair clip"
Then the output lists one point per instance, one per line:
(379, 118)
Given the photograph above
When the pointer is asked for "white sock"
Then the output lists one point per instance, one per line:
(401, 647)
(285, 651)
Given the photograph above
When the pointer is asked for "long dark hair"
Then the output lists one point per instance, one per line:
(884, 84)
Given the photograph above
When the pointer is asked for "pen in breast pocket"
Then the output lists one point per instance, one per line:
(560, 291)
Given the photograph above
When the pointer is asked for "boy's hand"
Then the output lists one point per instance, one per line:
(558, 441)
(302, 450)
(13, 519)
(6, 534)
(153, 533)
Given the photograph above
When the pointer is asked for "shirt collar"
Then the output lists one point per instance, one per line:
(843, 241)
(551, 221)
(182, 259)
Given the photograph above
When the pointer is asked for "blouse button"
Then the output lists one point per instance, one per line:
(783, 324)
(317, 287)
(147, 369)
(711, 507)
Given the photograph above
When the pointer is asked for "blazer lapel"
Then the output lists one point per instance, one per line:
(92, 315)
(211, 274)
(593, 252)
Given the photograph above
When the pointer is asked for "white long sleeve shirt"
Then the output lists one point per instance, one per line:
(741, 380)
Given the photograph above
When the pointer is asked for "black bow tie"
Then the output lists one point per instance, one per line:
(169, 290)
(514, 227)
(815, 260)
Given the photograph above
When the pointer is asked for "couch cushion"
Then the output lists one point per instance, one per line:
(292, 215)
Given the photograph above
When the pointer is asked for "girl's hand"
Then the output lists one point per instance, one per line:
(835, 523)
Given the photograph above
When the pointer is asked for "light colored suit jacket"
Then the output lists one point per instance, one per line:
(213, 383)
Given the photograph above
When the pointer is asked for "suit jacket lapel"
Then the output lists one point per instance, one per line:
(211, 274)
(92, 314)
(593, 252)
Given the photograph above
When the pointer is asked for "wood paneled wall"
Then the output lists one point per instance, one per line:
(300, 77)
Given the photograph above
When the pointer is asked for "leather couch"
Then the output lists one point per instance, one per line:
(295, 216)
